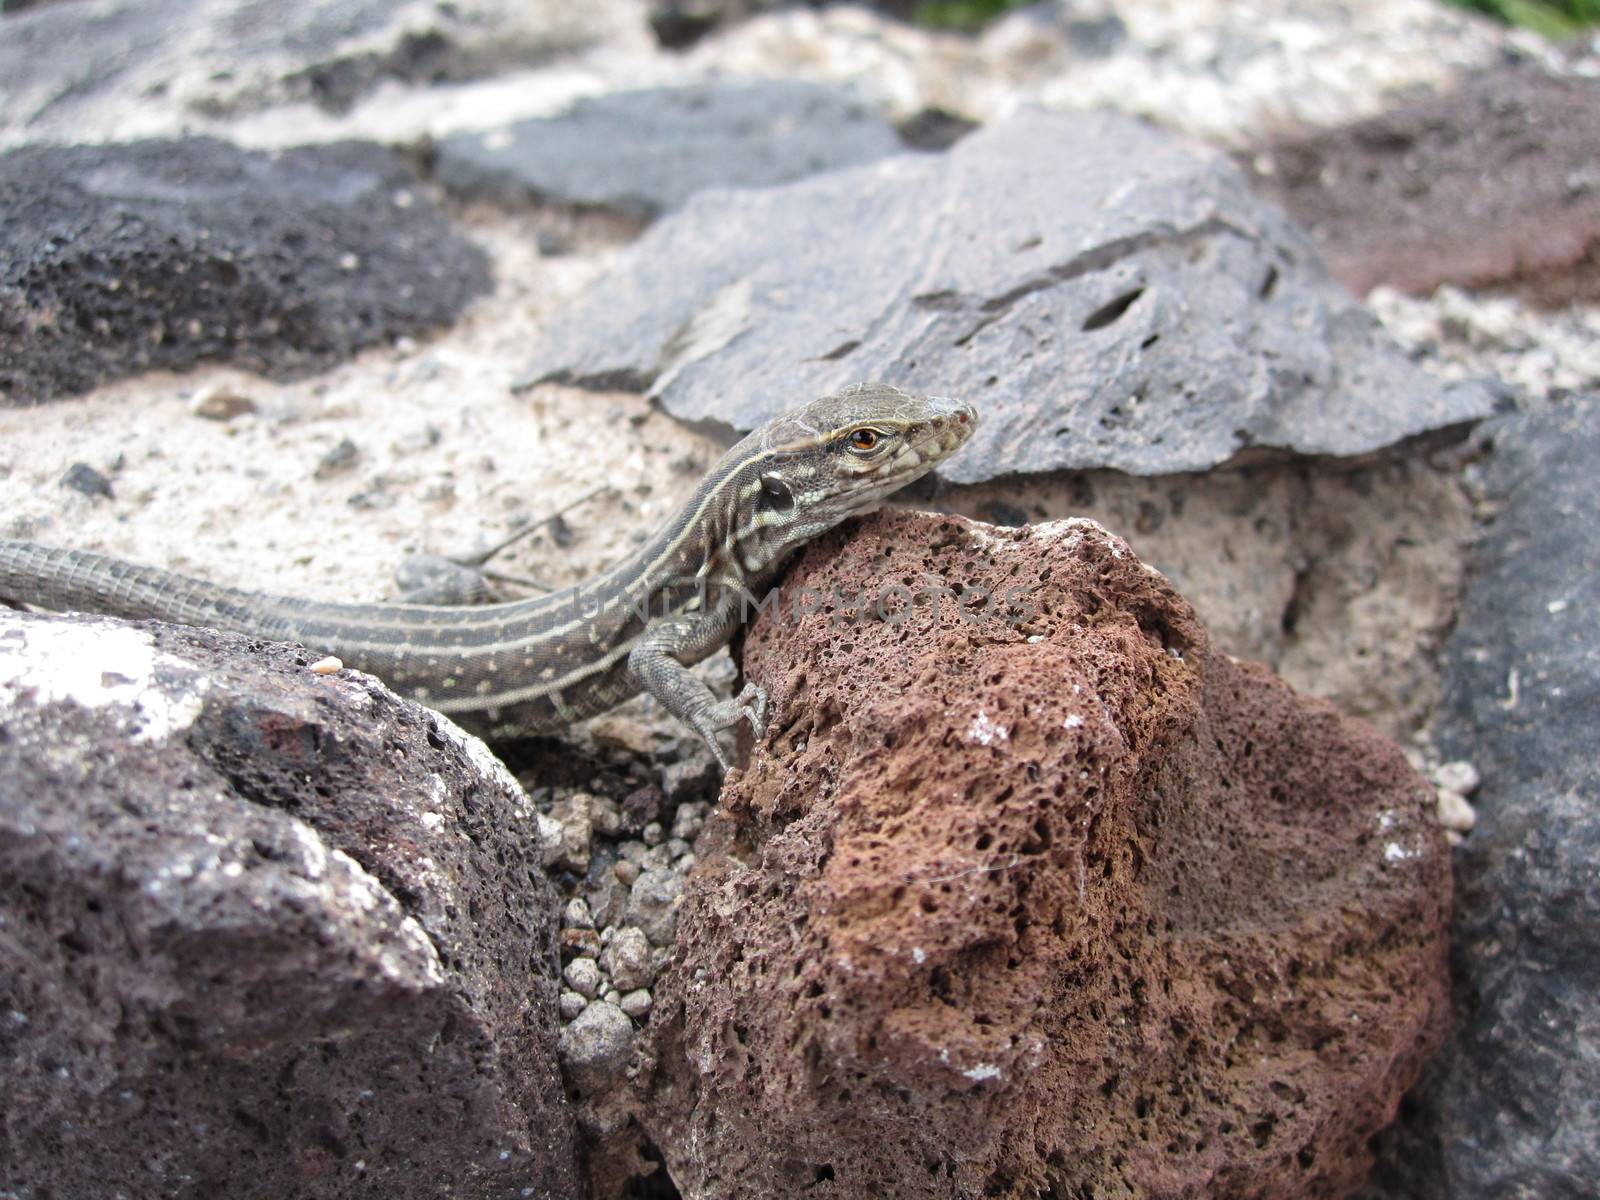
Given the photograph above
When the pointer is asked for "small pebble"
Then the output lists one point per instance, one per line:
(341, 458)
(222, 403)
(641, 806)
(551, 847)
(636, 1003)
(626, 871)
(677, 848)
(689, 820)
(577, 914)
(658, 859)
(1455, 813)
(633, 851)
(627, 959)
(653, 905)
(583, 976)
(580, 942)
(653, 834)
(374, 499)
(607, 816)
(613, 997)
(81, 477)
(571, 1004)
(1460, 777)
(327, 666)
(596, 1046)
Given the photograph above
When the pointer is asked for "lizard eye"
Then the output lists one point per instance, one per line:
(865, 439)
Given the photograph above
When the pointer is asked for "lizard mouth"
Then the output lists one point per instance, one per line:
(949, 433)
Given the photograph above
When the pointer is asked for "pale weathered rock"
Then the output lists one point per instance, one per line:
(116, 259)
(1048, 899)
(644, 153)
(1115, 298)
(267, 933)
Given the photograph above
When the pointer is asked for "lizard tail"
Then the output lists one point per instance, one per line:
(78, 581)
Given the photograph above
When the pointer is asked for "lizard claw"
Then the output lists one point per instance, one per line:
(750, 705)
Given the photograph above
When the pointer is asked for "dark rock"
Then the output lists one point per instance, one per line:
(81, 477)
(1509, 1108)
(640, 807)
(337, 460)
(1106, 295)
(694, 775)
(644, 153)
(70, 72)
(117, 259)
(934, 129)
(1053, 901)
(433, 579)
(1496, 183)
(267, 933)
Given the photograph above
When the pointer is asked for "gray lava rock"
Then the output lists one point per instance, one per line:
(1105, 293)
(266, 933)
(159, 254)
(644, 153)
(1509, 1108)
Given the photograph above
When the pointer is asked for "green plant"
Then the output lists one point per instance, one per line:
(1556, 19)
(966, 15)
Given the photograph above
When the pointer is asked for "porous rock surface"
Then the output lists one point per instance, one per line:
(1508, 1110)
(642, 153)
(1106, 293)
(1052, 901)
(266, 933)
(121, 258)
(1493, 183)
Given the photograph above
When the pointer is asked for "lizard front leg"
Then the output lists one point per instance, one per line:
(656, 663)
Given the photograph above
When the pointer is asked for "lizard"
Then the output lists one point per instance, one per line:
(534, 666)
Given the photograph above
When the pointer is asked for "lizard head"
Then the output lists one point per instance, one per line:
(838, 457)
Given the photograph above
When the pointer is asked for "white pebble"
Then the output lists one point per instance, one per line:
(1455, 813)
(1460, 777)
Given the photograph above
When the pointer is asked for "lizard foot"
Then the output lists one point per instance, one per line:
(750, 704)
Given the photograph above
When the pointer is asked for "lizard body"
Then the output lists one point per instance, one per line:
(534, 666)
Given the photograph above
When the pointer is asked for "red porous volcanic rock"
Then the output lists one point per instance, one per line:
(1040, 895)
